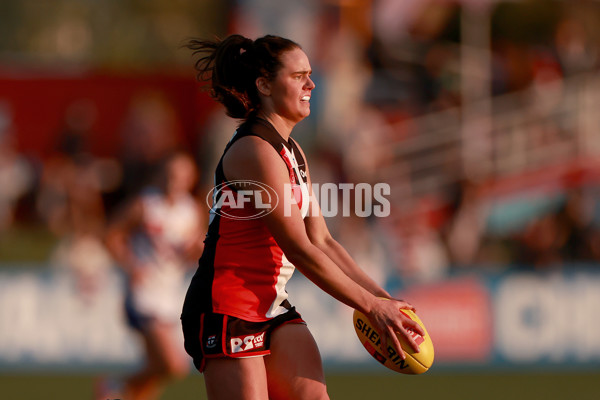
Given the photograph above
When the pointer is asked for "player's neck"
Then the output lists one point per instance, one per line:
(283, 126)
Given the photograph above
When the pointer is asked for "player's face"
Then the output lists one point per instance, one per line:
(291, 88)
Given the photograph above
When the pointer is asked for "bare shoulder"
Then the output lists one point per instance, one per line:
(248, 156)
(248, 146)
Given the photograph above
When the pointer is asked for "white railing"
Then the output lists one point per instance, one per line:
(530, 130)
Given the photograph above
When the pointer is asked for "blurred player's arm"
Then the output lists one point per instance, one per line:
(195, 245)
(118, 233)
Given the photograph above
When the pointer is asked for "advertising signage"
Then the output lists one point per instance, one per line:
(507, 320)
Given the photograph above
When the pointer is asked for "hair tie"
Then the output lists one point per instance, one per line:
(246, 46)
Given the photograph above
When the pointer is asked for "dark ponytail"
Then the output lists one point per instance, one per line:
(232, 66)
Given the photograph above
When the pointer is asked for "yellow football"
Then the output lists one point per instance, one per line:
(415, 363)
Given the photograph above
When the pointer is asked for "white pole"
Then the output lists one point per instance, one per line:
(476, 64)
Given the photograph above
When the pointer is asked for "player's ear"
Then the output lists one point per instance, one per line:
(263, 86)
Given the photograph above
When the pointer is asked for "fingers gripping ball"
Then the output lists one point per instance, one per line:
(415, 363)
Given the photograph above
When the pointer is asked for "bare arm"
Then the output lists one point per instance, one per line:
(319, 235)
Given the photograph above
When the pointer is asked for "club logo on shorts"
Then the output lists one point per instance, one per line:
(211, 342)
(246, 343)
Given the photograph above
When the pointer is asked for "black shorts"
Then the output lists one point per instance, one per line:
(217, 336)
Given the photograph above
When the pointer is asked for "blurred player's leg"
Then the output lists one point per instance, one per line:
(165, 361)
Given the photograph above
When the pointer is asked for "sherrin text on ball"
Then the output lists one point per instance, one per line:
(414, 363)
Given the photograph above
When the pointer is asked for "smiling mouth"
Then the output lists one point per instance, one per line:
(305, 98)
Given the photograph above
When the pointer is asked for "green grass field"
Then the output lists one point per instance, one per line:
(446, 386)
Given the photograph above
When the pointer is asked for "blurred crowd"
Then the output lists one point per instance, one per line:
(382, 66)
(75, 194)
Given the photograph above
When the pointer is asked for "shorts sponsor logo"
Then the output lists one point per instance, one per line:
(211, 342)
(246, 343)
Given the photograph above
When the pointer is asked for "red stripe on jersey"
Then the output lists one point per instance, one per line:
(296, 188)
(249, 262)
(288, 162)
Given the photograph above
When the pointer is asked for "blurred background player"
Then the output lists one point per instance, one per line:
(155, 238)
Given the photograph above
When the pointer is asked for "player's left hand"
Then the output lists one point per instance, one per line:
(388, 319)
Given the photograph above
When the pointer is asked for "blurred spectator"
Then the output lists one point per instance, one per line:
(464, 230)
(253, 18)
(77, 128)
(361, 238)
(576, 218)
(16, 174)
(78, 219)
(412, 63)
(155, 238)
(423, 257)
(560, 233)
(69, 195)
(151, 131)
(576, 51)
(540, 243)
(213, 140)
(441, 83)
(70, 202)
